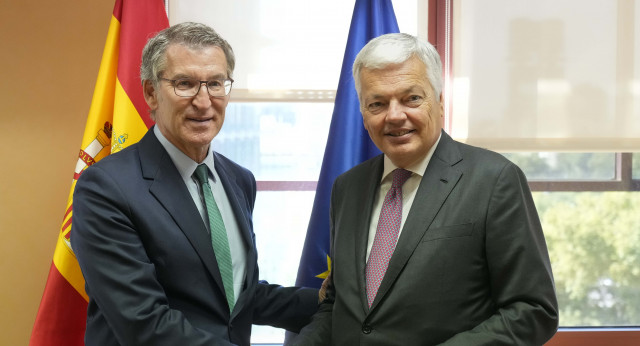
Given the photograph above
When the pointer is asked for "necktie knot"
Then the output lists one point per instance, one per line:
(400, 176)
(202, 174)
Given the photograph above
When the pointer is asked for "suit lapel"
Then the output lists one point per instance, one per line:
(168, 188)
(236, 198)
(438, 181)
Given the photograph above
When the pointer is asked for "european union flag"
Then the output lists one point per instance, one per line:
(348, 143)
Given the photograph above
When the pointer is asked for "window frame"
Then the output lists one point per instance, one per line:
(622, 181)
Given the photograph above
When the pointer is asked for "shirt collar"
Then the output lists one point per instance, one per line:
(185, 165)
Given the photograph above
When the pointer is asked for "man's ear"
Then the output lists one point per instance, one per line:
(150, 94)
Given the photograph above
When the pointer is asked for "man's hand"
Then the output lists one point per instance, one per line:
(322, 294)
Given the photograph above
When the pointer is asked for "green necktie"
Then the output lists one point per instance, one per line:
(218, 234)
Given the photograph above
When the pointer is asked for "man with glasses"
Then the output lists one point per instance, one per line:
(163, 230)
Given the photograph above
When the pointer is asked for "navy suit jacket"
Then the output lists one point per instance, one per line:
(146, 255)
(470, 267)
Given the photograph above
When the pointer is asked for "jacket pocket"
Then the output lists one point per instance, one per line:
(446, 232)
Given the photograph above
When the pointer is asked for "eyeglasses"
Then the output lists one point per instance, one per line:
(189, 87)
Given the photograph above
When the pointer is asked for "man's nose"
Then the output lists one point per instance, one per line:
(202, 98)
(395, 111)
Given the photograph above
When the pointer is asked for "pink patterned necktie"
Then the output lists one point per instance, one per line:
(386, 234)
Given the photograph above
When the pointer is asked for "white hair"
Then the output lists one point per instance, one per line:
(395, 49)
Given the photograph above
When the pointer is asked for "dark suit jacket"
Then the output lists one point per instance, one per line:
(150, 271)
(470, 267)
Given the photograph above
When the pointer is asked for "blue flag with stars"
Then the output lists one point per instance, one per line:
(348, 143)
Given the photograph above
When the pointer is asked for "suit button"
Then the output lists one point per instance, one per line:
(366, 329)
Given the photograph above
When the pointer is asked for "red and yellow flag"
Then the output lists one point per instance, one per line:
(117, 118)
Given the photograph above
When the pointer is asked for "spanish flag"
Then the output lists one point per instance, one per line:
(117, 118)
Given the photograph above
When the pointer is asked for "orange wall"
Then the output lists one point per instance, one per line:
(50, 53)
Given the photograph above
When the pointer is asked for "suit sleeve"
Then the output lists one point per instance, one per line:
(318, 331)
(120, 278)
(519, 268)
(290, 308)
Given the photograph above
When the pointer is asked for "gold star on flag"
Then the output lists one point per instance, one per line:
(325, 274)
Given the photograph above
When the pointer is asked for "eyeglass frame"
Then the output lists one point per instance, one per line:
(200, 82)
